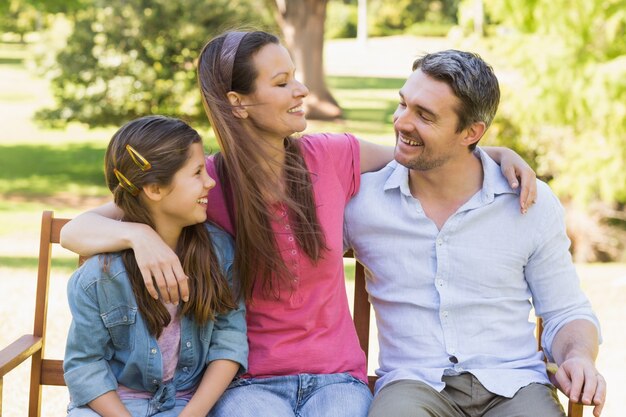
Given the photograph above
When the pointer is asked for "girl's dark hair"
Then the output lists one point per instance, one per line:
(257, 256)
(165, 143)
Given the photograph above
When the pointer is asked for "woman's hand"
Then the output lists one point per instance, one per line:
(160, 267)
(99, 230)
(513, 168)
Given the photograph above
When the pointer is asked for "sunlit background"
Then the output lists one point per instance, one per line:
(71, 71)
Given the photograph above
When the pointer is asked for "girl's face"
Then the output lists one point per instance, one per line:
(275, 107)
(184, 201)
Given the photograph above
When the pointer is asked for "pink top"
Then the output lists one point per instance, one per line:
(309, 328)
(169, 345)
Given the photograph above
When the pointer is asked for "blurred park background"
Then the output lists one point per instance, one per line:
(71, 71)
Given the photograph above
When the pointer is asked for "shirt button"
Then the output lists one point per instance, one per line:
(153, 351)
(453, 359)
(440, 282)
(452, 351)
(439, 242)
(155, 381)
(445, 314)
(293, 252)
(290, 239)
(188, 344)
(287, 227)
(125, 319)
(185, 369)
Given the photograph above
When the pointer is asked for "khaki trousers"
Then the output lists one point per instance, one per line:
(463, 396)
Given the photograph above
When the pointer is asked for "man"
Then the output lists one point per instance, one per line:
(453, 268)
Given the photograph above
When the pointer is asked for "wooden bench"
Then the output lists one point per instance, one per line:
(46, 371)
(361, 319)
(43, 371)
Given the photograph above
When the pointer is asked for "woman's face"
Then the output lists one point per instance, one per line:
(275, 107)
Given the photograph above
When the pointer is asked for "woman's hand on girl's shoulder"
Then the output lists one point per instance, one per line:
(160, 267)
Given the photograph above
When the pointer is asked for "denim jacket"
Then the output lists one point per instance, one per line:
(109, 343)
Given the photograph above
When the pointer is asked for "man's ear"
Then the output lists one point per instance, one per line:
(153, 192)
(235, 99)
(473, 133)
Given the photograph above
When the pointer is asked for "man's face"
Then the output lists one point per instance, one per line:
(425, 123)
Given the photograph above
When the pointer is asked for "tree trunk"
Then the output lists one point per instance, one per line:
(302, 23)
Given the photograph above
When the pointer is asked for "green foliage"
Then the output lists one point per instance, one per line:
(128, 58)
(438, 29)
(23, 16)
(18, 17)
(341, 20)
(390, 17)
(567, 109)
(570, 107)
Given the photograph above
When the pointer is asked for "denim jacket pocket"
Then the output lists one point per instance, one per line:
(120, 323)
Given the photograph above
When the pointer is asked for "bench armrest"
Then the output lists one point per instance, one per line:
(17, 352)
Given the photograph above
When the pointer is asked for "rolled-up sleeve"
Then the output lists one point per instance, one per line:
(88, 349)
(554, 283)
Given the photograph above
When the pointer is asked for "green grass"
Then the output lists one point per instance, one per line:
(60, 265)
(36, 170)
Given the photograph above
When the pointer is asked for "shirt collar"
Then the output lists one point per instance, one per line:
(399, 178)
(494, 183)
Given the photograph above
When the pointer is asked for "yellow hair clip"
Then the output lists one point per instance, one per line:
(139, 160)
(125, 183)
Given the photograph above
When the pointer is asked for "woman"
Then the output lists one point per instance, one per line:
(283, 199)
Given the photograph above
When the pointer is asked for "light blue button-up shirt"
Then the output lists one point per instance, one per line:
(458, 299)
(109, 342)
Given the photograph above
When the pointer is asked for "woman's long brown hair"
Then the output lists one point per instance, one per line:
(165, 143)
(257, 256)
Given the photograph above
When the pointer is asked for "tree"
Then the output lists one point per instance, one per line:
(302, 24)
(128, 58)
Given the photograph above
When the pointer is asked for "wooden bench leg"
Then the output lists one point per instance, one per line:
(573, 409)
(1, 396)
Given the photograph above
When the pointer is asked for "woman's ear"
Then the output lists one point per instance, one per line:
(239, 110)
(153, 192)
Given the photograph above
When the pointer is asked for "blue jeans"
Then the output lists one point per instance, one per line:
(304, 395)
(137, 408)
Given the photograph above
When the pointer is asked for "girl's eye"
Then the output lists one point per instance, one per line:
(282, 85)
(401, 104)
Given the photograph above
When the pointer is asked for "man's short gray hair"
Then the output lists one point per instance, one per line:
(472, 80)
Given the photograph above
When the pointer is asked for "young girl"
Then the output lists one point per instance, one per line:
(283, 199)
(128, 354)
